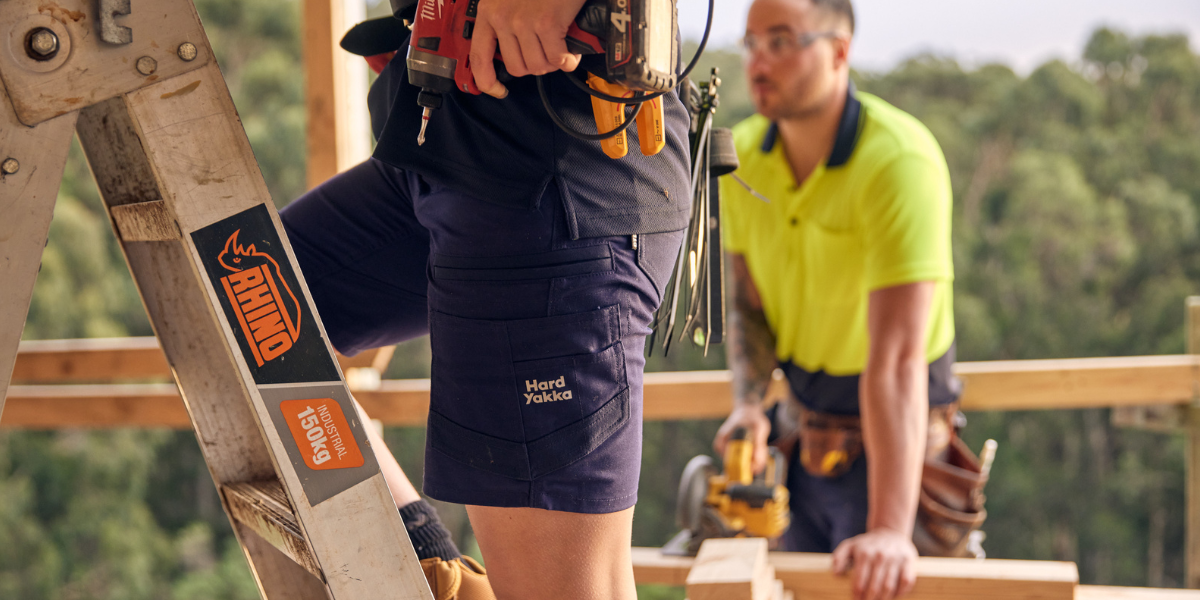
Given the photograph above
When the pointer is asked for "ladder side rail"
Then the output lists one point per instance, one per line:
(32, 160)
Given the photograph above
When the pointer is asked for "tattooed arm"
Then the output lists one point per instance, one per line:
(751, 356)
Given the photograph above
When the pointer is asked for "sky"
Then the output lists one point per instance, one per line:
(1020, 33)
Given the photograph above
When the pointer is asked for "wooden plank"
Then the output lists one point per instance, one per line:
(144, 222)
(263, 507)
(1193, 454)
(335, 90)
(97, 359)
(1099, 592)
(1048, 384)
(1077, 383)
(117, 359)
(809, 576)
(731, 569)
(651, 566)
(95, 406)
(702, 394)
(26, 206)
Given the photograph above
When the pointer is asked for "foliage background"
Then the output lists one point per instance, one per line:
(1076, 201)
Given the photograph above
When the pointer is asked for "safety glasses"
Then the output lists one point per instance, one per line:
(781, 44)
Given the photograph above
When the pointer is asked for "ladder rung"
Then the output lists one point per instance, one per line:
(263, 506)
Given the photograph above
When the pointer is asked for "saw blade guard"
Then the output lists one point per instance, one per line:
(693, 489)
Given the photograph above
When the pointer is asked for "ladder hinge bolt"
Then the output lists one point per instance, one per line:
(146, 65)
(10, 166)
(41, 44)
(187, 51)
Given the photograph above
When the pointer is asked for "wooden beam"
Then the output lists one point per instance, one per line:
(124, 359)
(731, 569)
(809, 576)
(95, 406)
(98, 359)
(1077, 382)
(1099, 592)
(335, 90)
(704, 394)
(1003, 385)
(1193, 453)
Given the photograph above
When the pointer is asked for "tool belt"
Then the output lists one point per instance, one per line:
(951, 500)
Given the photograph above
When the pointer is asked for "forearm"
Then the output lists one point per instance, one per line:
(750, 350)
(895, 412)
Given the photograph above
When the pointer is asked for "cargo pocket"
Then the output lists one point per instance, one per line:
(545, 265)
(525, 398)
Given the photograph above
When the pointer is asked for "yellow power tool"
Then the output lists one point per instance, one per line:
(736, 503)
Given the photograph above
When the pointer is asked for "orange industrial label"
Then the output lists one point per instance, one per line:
(270, 320)
(322, 433)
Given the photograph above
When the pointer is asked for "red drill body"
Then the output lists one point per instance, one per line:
(440, 47)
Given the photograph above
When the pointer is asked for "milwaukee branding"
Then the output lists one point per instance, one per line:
(317, 427)
(428, 11)
(266, 308)
(538, 392)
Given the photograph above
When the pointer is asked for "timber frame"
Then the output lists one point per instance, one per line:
(129, 382)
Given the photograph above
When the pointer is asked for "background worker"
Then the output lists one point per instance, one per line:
(842, 277)
(513, 246)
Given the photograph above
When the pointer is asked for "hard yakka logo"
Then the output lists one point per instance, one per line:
(265, 305)
(262, 299)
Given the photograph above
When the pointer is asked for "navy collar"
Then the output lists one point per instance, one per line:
(847, 132)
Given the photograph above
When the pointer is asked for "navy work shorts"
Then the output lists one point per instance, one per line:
(537, 338)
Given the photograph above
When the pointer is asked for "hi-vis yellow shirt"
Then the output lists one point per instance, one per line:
(879, 219)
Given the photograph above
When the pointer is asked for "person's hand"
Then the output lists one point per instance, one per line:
(758, 428)
(884, 564)
(532, 37)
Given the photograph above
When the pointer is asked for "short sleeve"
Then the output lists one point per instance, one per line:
(733, 222)
(906, 216)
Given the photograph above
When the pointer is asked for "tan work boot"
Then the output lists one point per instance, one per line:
(458, 579)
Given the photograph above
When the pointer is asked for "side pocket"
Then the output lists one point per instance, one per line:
(525, 398)
(656, 255)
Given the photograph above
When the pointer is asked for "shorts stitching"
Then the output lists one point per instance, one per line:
(512, 374)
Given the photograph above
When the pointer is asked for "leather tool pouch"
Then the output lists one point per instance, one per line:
(951, 501)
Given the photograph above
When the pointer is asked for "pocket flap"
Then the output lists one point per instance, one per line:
(563, 335)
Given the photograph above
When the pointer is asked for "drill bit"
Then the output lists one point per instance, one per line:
(424, 123)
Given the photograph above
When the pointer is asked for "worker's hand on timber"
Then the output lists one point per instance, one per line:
(882, 563)
(758, 428)
(532, 37)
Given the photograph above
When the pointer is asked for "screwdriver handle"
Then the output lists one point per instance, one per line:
(649, 123)
(609, 115)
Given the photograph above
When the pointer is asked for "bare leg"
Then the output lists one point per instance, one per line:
(535, 554)
(403, 492)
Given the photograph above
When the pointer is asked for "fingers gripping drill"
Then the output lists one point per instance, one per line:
(638, 57)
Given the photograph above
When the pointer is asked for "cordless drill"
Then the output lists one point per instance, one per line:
(638, 38)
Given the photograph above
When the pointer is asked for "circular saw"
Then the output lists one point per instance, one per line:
(736, 503)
